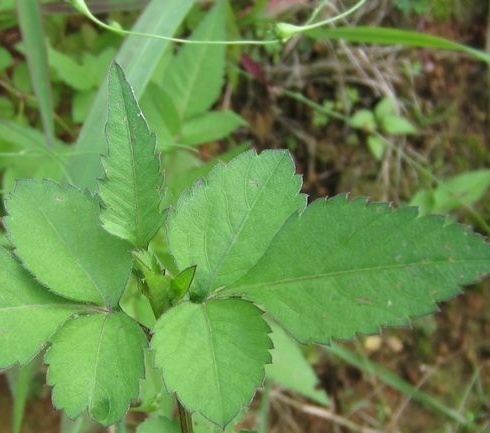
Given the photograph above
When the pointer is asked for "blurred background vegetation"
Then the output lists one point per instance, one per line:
(386, 120)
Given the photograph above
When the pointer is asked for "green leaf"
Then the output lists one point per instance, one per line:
(97, 65)
(30, 22)
(58, 237)
(153, 397)
(7, 6)
(84, 167)
(182, 169)
(5, 59)
(131, 189)
(95, 363)
(195, 77)
(7, 108)
(153, 282)
(397, 125)
(290, 369)
(462, 190)
(83, 424)
(377, 146)
(158, 425)
(21, 79)
(210, 126)
(4, 243)
(29, 314)
(137, 306)
(28, 138)
(424, 200)
(360, 266)
(33, 158)
(181, 283)
(22, 381)
(69, 71)
(160, 115)
(81, 103)
(225, 225)
(212, 355)
(390, 36)
(385, 107)
(364, 120)
(200, 424)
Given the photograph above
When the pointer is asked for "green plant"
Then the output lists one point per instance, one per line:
(440, 9)
(460, 191)
(328, 270)
(376, 123)
(419, 7)
(382, 120)
(24, 151)
(145, 72)
(142, 59)
(177, 106)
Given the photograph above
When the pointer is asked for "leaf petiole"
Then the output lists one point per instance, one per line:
(286, 31)
(185, 419)
(82, 7)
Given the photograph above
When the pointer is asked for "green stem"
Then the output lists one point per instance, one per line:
(81, 6)
(286, 31)
(185, 419)
(316, 12)
(264, 410)
(303, 99)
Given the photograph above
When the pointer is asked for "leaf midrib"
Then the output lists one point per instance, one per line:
(96, 362)
(42, 307)
(133, 170)
(214, 358)
(236, 235)
(377, 269)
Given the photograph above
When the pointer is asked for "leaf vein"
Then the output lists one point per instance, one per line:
(214, 358)
(375, 269)
(73, 257)
(246, 217)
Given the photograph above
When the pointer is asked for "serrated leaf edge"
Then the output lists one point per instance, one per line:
(86, 408)
(243, 406)
(4, 220)
(389, 208)
(156, 154)
(188, 194)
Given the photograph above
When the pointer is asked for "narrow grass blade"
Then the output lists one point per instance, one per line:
(31, 27)
(20, 396)
(83, 424)
(395, 382)
(138, 57)
(389, 36)
(20, 379)
(97, 7)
